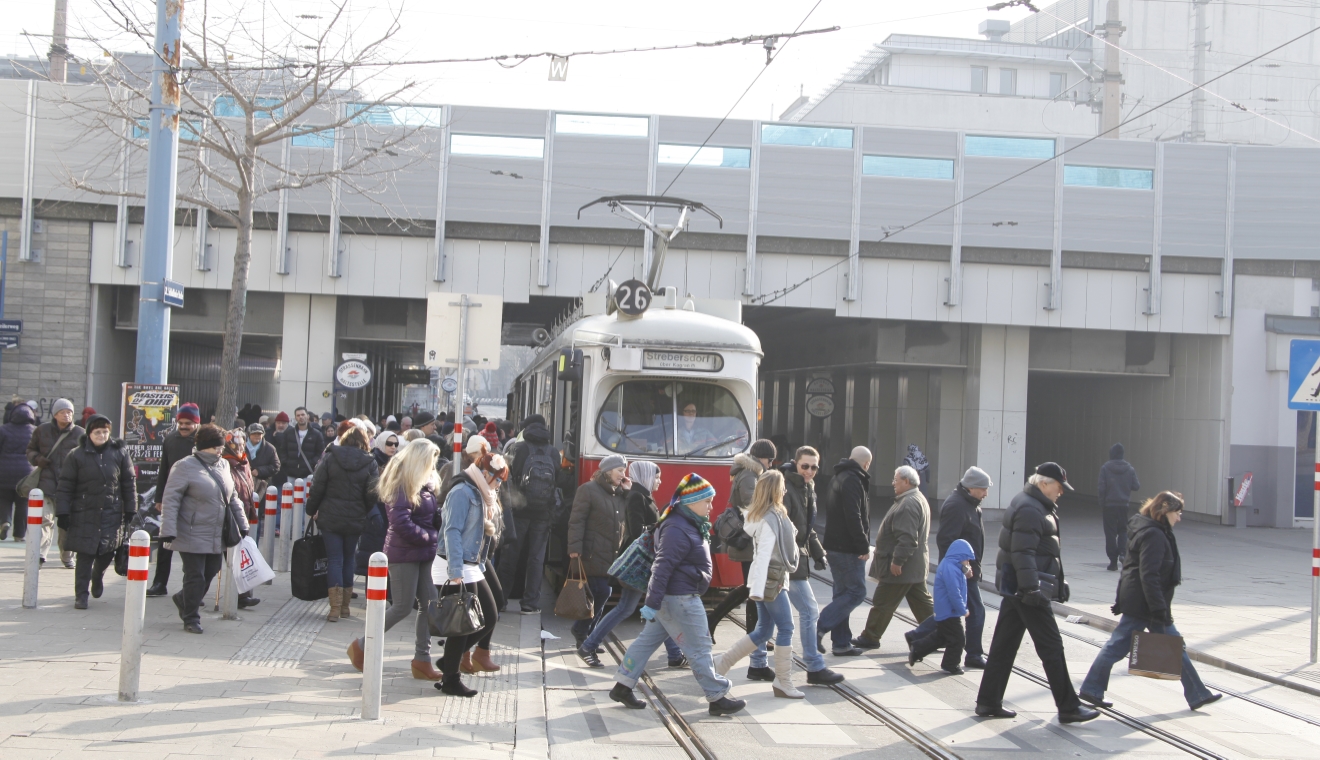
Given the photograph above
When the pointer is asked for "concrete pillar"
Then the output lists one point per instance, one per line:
(995, 408)
(308, 359)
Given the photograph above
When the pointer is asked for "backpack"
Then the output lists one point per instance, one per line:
(729, 528)
(538, 479)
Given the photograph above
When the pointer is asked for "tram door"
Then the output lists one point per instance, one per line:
(566, 432)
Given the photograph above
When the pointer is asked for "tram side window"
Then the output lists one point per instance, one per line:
(672, 419)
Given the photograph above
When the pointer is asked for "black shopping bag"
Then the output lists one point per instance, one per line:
(309, 567)
(1156, 655)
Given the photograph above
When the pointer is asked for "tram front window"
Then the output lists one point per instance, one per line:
(672, 419)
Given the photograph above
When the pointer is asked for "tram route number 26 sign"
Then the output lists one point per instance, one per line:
(632, 297)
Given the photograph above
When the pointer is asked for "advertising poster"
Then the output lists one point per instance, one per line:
(146, 417)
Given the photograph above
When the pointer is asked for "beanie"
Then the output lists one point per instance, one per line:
(762, 449)
(189, 412)
(612, 462)
(209, 437)
(61, 405)
(477, 445)
(282, 417)
(975, 477)
(692, 489)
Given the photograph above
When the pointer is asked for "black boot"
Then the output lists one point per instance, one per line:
(726, 706)
(625, 696)
(157, 589)
(760, 674)
(453, 685)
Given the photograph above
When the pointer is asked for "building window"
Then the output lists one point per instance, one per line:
(1008, 147)
(1106, 176)
(494, 145)
(397, 116)
(815, 137)
(227, 108)
(324, 138)
(1008, 81)
(684, 155)
(608, 126)
(980, 77)
(1058, 83)
(391, 312)
(905, 166)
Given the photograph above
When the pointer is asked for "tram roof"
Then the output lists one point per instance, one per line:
(666, 327)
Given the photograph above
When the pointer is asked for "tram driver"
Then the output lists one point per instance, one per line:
(694, 432)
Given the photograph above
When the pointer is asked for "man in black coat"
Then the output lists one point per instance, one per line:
(960, 518)
(1118, 479)
(262, 457)
(531, 511)
(300, 447)
(95, 499)
(847, 544)
(176, 446)
(1029, 562)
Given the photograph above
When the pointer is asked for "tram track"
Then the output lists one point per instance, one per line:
(670, 716)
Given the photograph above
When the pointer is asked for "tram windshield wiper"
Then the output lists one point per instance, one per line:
(724, 442)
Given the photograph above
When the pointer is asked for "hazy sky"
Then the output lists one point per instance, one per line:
(691, 82)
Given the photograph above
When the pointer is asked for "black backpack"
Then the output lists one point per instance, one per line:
(538, 479)
(729, 529)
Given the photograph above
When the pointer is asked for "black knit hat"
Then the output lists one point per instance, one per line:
(762, 449)
(209, 437)
(99, 420)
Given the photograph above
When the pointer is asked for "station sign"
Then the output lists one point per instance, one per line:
(353, 375)
(693, 361)
(11, 327)
(8, 341)
(820, 406)
(171, 294)
(449, 384)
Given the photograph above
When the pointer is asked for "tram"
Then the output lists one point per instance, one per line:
(672, 383)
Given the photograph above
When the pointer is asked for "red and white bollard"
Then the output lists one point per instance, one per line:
(458, 444)
(281, 560)
(135, 608)
(373, 644)
(32, 560)
(300, 489)
(268, 520)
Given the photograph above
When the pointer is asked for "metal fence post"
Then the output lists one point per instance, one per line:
(373, 660)
(135, 608)
(32, 560)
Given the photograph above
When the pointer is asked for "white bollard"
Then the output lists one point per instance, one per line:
(373, 645)
(32, 560)
(228, 586)
(135, 607)
(281, 560)
(300, 488)
(268, 525)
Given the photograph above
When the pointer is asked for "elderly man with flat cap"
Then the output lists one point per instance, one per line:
(1029, 575)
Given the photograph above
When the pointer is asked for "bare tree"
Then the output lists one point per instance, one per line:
(251, 86)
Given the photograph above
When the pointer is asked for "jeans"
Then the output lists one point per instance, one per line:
(455, 646)
(682, 618)
(198, 572)
(849, 572)
(340, 558)
(1115, 527)
(629, 600)
(1118, 647)
(885, 603)
(804, 599)
(947, 633)
(776, 618)
(1015, 619)
(412, 581)
(533, 531)
(599, 586)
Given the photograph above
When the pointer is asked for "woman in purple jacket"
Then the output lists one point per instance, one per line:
(680, 575)
(408, 490)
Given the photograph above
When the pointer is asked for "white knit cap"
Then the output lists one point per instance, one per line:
(477, 444)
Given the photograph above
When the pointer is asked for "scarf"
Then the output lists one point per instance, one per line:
(493, 515)
(702, 523)
(915, 459)
(252, 448)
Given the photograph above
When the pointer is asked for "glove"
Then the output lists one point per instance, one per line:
(648, 614)
(62, 521)
(1034, 598)
(127, 520)
(820, 564)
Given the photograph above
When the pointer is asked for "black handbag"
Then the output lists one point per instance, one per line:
(455, 614)
(309, 567)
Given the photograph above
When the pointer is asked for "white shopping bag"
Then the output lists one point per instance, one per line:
(250, 568)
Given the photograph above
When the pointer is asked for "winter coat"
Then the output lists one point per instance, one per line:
(265, 463)
(464, 519)
(41, 451)
(743, 474)
(800, 501)
(1152, 569)
(313, 445)
(904, 540)
(682, 561)
(519, 450)
(372, 539)
(242, 475)
(413, 531)
(775, 552)
(174, 448)
(15, 435)
(1118, 479)
(343, 490)
(639, 513)
(193, 510)
(96, 489)
(960, 518)
(1028, 543)
(595, 527)
(848, 513)
(951, 582)
(381, 458)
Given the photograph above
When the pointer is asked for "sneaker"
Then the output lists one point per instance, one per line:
(850, 652)
(681, 662)
(726, 706)
(861, 642)
(530, 610)
(824, 677)
(589, 657)
(68, 564)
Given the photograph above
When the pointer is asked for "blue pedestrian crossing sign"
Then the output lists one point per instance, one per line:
(1304, 376)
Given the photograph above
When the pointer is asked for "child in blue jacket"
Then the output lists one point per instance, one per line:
(950, 608)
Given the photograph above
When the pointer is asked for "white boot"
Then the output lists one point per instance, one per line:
(740, 649)
(783, 684)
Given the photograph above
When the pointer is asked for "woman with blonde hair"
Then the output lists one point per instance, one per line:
(408, 489)
(775, 555)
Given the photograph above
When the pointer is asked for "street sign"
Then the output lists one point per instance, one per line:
(353, 375)
(351, 357)
(11, 327)
(484, 318)
(449, 384)
(1304, 376)
(820, 406)
(1243, 490)
(8, 341)
(172, 294)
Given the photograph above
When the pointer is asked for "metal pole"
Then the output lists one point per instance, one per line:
(461, 393)
(153, 346)
(135, 609)
(286, 532)
(4, 265)
(373, 659)
(299, 516)
(228, 586)
(1315, 555)
(32, 561)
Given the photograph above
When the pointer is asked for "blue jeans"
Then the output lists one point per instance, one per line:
(682, 618)
(975, 621)
(849, 572)
(340, 558)
(804, 599)
(599, 586)
(774, 618)
(1118, 647)
(629, 600)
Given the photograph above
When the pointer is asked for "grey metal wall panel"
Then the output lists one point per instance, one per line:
(13, 104)
(1133, 155)
(518, 122)
(1275, 216)
(910, 142)
(1018, 214)
(404, 183)
(1195, 199)
(586, 168)
(805, 192)
(1109, 220)
(725, 191)
(893, 202)
(476, 193)
(683, 130)
(69, 146)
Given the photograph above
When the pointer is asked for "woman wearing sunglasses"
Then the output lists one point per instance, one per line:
(386, 446)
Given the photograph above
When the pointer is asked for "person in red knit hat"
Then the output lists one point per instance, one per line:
(492, 434)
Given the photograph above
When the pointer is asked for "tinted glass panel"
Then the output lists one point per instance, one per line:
(396, 116)
(1008, 147)
(1105, 176)
(735, 158)
(904, 166)
(491, 145)
(226, 107)
(322, 139)
(664, 418)
(816, 137)
(592, 124)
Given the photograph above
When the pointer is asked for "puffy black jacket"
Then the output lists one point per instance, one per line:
(1028, 543)
(265, 463)
(848, 514)
(960, 517)
(97, 491)
(1152, 569)
(313, 444)
(1118, 479)
(15, 435)
(800, 501)
(174, 448)
(343, 490)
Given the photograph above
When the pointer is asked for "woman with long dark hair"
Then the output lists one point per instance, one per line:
(343, 494)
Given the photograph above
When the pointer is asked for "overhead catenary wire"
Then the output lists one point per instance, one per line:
(775, 295)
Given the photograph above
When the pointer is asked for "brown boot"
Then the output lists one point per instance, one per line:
(345, 594)
(423, 670)
(355, 654)
(465, 664)
(335, 592)
(481, 661)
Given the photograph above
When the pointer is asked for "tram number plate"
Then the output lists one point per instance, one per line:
(686, 360)
(633, 297)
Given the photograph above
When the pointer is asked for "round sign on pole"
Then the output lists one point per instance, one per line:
(632, 297)
(820, 406)
(353, 375)
(449, 384)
